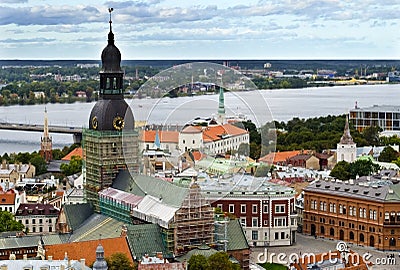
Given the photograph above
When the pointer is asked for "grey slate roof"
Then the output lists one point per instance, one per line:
(76, 214)
(29, 241)
(97, 226)
(141, 185)
(361, 190)
(145, 239)
(36, 264)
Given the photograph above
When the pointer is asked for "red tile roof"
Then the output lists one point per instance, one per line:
(7, 198)
(198, 155)
(192, 129)
(214, 133)
(165, 136)
(87, 249)
(276, 157)
(76, 152)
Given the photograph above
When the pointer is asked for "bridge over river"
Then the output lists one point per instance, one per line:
(75, 131)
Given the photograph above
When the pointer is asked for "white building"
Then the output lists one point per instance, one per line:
(346, 149)
(168, 140)
(37, 218)
(10, 200)
(266, 210)
(217, 139)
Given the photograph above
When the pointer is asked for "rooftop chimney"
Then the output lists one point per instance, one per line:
(83, 262)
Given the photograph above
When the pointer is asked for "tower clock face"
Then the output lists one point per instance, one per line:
(118, 123)
(95, 123)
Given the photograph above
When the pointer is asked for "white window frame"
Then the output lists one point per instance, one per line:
(278, 208)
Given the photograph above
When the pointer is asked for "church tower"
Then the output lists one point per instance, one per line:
(46, 141)
(110, 143)
(221, 106)
(346, 148)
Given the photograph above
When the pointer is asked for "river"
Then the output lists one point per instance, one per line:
(259, 106)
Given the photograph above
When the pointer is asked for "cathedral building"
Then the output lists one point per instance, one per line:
(110, 142)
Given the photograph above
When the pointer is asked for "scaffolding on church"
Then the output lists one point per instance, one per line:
(194, 221)
(105, 154)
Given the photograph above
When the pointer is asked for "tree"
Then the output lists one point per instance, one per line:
(371, 134)
(8, 223)
(119, 261)
(39, 163)
(74, 166)
(388, 154)
(262, 171)
(362, 167)
(397, 161)
(341, 171)
(198, 262)
(220, 261)
(244, 149)
(57, 154)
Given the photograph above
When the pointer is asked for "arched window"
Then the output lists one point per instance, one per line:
(392, 242)
(361, 237)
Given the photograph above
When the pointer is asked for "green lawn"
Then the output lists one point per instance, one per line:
(273, 266)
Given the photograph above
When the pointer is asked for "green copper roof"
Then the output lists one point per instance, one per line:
(76, 214)
(236, 237)
(221, 105)
(393, 193)
(141, 185)
(145, 239)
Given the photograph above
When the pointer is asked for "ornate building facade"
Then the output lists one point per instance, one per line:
(363, 211)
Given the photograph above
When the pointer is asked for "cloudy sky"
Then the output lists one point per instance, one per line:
(202, 29)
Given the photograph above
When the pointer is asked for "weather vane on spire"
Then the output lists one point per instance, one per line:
(110, 10)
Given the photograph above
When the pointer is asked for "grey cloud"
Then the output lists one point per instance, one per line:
(48, 15)
(63, 29)
(91, 39)
(28, 40)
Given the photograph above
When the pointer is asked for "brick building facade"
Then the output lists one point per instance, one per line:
(364, 211)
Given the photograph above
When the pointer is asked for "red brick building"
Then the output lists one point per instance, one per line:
(364, 211)
(266, 211)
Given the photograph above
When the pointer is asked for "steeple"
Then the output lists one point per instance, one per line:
(157, 142)
(46, 141)
(346, 138)
(111, 112)
(111, 74)
(221, 106)
(346, 149)
(110, 34)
